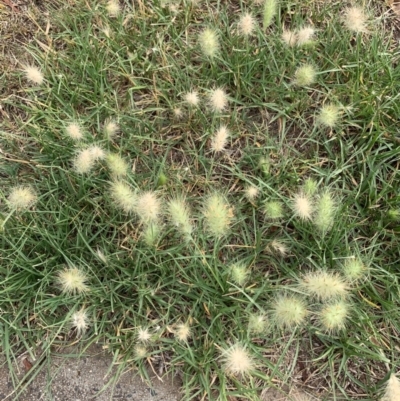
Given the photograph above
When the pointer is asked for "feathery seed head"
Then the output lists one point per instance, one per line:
(251, 192)
(97, 152)
(72, 281)
(355, 19)
(354, 269)
(33, 74)
(143, 335)
(237, 360)
(305, 36)
(141, 352)
(218, 215)
(288, 311)
(258, 323)
(74, 131)
(151, 233)
(208, 40)
(218, 141)
(305, 75)
(238, 273)
(80, 321)
(392, 391)
(324, 285)
(277, 246)
(218, 99)
(247, 24)
(325, 212)
(123, 196)
(179, 214)
(148, 207)
(111, 128)
(273, 210)
(302, 206)
(21, 198)
(393, 214)
(178, 113)
(333, 317)
(117, 165)
(270, 8)
(192, 98)
(310, 187)
(329, 115)
(113, 8)
(182, 332)
(289, 37)
(84, 161)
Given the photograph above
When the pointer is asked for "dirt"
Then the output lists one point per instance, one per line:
(68, 376)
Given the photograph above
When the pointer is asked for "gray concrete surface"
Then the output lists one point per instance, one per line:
(66, 378)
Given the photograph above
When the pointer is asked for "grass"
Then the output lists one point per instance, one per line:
(242, 256)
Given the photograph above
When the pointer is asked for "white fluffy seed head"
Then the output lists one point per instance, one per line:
(113, 8)
(305, 75)
(21, 198)
(84, 161)
(277, 246)
(328, 115)
(355, 20)
(258, 323)
(324, 285)
(239, 273)
(117, 165)
(123, 196)
(80, 321)
(97, 152)
(182, 332)
(247, 24)
(219, 140)
(237, 360)
(74, 131)
(288, 311)
(289, 37)
(148, 207)
(141, 351)
(143, 335)
(179, 214)
(192, 98)
(333, 316)
(209, 44)
(218, 99)
(72, 281)
(218, 215)
(392, 391)
(251, 192)
(33, 74)
(111, 128)
(302, 206)
(305, 35)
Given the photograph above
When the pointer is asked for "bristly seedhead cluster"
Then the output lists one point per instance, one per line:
(148, 207)
(182, 332)
(113, 8)
(239, 273)
(123, 196)
(324, 285)
(273, 210)
(355, 20)
(303, 206)
(220, 138)
(333, 316)
(354, 269)
(329, 115)
(258, 323)
(218, 215)
(80, 321)
(72, 281)
(392, 391)
(209, 44)
(21, 198)
(74, 131)
(325, 212)
(117, 165)
(179, 215)
(288, 311)
(218, 100)
(33, 74)
(305, 75)
(269, 12)
(247, 24)
(237, 360)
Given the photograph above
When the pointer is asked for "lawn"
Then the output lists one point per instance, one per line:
(210, 189)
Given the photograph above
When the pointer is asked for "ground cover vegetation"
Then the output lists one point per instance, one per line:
(210, 188)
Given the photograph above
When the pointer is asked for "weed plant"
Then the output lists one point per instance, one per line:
(210, 189)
